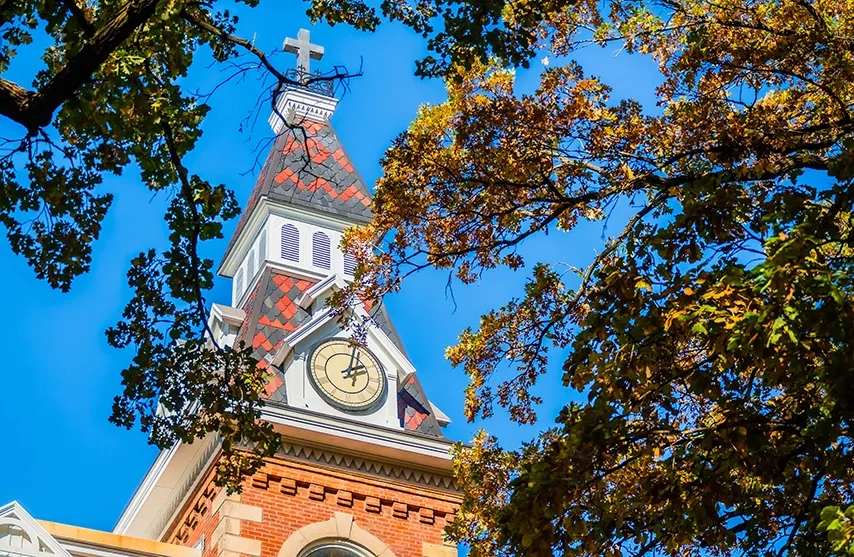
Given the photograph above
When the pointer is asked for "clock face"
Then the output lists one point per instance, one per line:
(348, 376)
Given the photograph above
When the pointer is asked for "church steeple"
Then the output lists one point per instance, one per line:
(364, 467)
(308, 190)
(285, 255)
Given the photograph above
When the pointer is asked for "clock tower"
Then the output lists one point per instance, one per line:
(365, 468)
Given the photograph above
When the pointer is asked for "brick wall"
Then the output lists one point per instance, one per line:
(288, 494)
(199, 517)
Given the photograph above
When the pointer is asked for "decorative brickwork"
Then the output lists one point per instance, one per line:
(287, 495)
(296, 494)
(198, 518)
(366, 466)
(345, 498)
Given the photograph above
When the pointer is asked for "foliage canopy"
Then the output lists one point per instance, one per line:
(711, 338)
(710, 342)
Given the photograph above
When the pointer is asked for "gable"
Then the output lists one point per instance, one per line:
(21, 535)
(414, 409)
(407, 405)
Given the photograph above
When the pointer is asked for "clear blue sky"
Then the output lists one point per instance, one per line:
(61, 458)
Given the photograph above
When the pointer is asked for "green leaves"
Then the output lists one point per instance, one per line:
(706, 349)
(53, 222)
(839, 527)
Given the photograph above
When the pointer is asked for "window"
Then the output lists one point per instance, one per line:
(250, 265)
(333, 550)
(238, 288)
(321, 250)
(290, 243)
(262, 249)
(349, 264)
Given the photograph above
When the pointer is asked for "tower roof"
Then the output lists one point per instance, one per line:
(308, 168)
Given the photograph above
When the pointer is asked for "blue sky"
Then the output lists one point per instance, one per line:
(62, 460)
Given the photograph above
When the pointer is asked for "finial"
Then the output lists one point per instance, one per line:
(305, 50)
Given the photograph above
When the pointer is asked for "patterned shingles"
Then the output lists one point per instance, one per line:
(413, 408)
(308, 167)
(272, 313)
(313, 170)
(383, 321)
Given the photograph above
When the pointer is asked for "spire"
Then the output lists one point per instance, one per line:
(307, 167)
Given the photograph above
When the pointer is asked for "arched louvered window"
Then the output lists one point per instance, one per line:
(349, 264)
(238, 288)
(321, 250)
(290, 243)
(250, 265)
(262, 249)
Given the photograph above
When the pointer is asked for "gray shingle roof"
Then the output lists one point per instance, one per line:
(308, 167)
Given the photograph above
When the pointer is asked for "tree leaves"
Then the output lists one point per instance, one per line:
(710, 339)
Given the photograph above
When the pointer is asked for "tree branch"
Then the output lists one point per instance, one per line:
(34, 110)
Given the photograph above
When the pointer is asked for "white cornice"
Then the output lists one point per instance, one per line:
(297, 103)
(165, 488)
(323, 316)
(291, 270)
(22, 536)
(227, 314)
(335, 457)
(144, 489)
(356, 437)
(316, 291)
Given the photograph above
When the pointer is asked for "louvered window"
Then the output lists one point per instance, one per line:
(238, 288)
(250, 265)
(349, 264)
(290, 243)
(262, 249)
(321, 250)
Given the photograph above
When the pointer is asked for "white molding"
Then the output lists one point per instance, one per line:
(231, 262)
(34, 540)
(325, 315)
(303, 104)
(154, 506)
(190, 483)
(236, 319)
(335, 458)
(145, 488)
(316, 291)
(441, 417)
(357, 437)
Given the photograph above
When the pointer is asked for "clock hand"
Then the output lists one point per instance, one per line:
(355, 375)
(350, 370)
(352, 357)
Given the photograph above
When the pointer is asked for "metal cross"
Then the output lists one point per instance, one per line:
(302, 47)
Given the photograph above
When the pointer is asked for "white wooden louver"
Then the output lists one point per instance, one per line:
(321, 250)
(290, 243)
(238, 288)
(349, 264)
(262, 249)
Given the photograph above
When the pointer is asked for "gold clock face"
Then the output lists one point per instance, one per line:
(348, 376)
